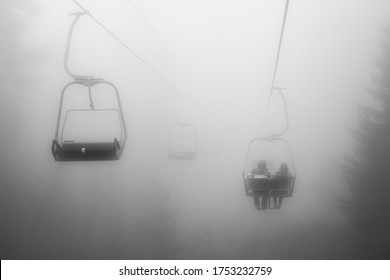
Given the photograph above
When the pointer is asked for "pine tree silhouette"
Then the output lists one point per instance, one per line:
(367, 171)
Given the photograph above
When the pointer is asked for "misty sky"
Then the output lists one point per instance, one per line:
(225, 53)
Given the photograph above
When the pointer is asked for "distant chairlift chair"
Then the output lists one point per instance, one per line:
(182, 134)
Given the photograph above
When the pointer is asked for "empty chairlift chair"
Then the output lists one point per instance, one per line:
(90, 124)
(182, 142)
(89, 134)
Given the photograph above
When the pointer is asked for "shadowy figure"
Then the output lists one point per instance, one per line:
(261, 169)
(282, 173)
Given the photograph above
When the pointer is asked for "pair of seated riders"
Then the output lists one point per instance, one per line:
(283, 173)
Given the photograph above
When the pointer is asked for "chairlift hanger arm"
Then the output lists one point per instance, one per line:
(278, 53)
(273, 87)
(280, 91)
(76, 18)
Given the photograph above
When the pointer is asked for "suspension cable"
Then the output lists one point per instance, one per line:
(196, 84)
(161, 41)
(218, 32)
(179, 92)
(127, 47)
(278, 53)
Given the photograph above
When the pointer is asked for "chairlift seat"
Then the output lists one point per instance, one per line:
(70, 151)
(280, 185)
(258, 185)
(276, 185)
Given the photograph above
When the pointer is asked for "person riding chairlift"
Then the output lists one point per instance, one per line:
(261, 170)
(283, 172)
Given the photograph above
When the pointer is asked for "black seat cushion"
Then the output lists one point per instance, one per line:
(258, 186)
(273, 186)
(86, 151)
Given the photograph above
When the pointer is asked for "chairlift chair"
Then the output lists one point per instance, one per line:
(272, 185)
(182, 142)
(64, 149)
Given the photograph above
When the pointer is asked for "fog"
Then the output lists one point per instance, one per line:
(214, 71)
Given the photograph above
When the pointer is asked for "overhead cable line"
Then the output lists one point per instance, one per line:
(179, 92)
(169, 51)
(159, 38)
(127, 47)
(217, 30)
(278, 53)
